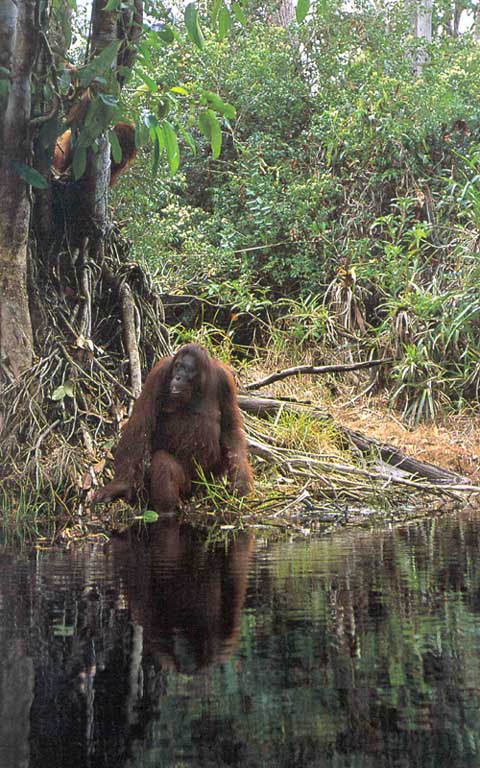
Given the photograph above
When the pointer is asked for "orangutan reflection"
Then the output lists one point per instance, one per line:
(186, 596)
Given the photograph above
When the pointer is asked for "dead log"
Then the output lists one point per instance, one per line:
(389, 454)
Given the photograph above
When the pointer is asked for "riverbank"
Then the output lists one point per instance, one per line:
(453, 442)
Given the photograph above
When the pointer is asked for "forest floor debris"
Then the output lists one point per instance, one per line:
(310, 476)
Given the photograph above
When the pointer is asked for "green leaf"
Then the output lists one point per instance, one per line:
(193, 25)
(150, 119)
(224, 22)
(68, 388)
(59, 393)
(149, 516)
(171, 145)
(79, 162)
(239, 14)
(63, 630)
(100, 65)
(31, 176)
(97, 120)
(210, 128)
(112, 5)
(204, 124)
(189, 139)
(303, 7)
(166, 35)
(220, 105)
(151, 122)
(215, 11)
(216, 138)
(115, 146)
(179, 89)
(142, 134)
(158, 146)
(149, 82)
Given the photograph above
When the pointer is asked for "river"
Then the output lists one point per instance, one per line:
(165, 648)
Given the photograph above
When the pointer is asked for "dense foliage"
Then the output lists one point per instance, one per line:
(344, 181)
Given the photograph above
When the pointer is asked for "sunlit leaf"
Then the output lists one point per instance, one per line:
(224, 22)
(58, 394)
(63, 630)
(171, 145)
(210, 128)
(301, 10)
(239, 14)
(68, 386)
(193, 25)
(149, 516)
(189, 139)
(217, 103)
(179, 89)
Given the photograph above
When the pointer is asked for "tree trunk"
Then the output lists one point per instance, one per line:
(284, 13)
(97, 175)
(422, 24)
(17, 55)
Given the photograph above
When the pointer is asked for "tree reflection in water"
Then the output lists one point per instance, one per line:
(164, 650)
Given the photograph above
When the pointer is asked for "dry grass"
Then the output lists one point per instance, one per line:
(453, 442)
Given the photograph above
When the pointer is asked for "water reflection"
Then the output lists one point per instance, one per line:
(163, 649)
(187, 598)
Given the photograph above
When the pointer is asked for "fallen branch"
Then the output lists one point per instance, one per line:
(389, 454)
(300, 369)
(348, 478)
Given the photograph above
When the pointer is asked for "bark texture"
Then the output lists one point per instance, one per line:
(422, 26)
(17, 54)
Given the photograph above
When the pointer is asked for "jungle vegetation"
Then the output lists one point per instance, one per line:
(305, 176)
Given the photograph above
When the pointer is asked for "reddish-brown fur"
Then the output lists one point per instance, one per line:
(63, 153)
(183, 436)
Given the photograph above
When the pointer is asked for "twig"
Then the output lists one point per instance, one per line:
(359, 396)
(314, 369)
(40, 439)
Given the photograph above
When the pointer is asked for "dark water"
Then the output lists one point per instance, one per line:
(359, 650)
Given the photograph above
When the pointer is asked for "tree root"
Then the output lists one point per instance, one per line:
(91, 322)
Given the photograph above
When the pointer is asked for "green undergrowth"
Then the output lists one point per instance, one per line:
(344, 210)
